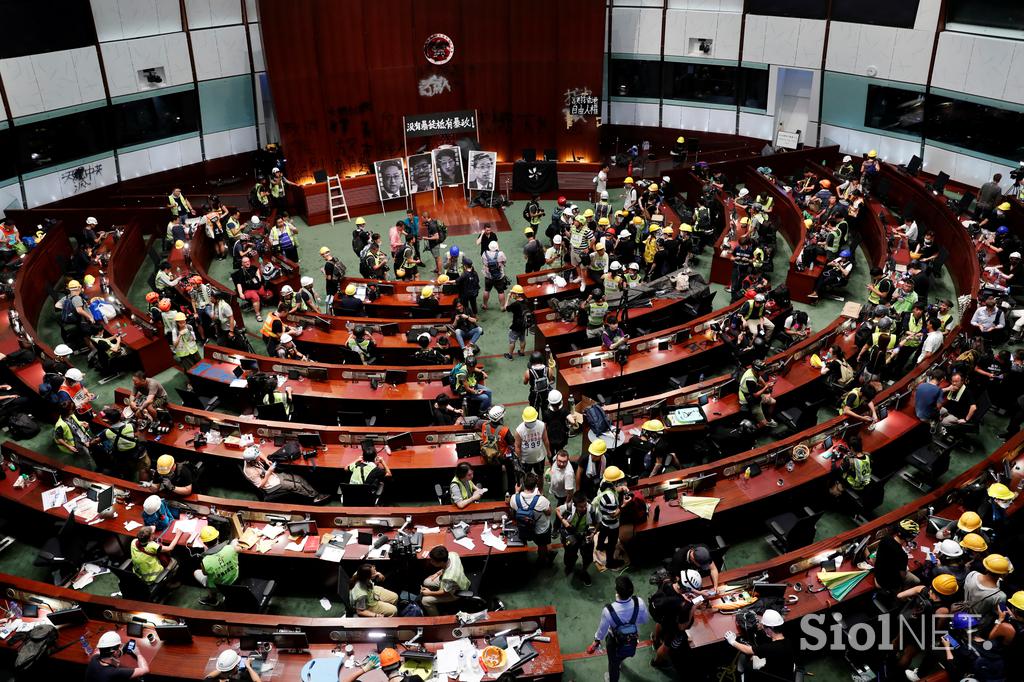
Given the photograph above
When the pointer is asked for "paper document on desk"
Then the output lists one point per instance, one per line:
(248, 538)
(466, 542)
(271, 531)
(70, 505)
(264, 546)
(433, 530)
(297, 546)
(492, 540)
(332, 554)
(55, 497)
(239, 383)
(131, 525)
(185, 526)
(86, 509)
(281, 378)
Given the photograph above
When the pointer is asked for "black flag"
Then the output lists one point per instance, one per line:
(534, 177)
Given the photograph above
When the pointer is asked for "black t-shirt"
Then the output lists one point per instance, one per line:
(778, 658)
(97, 672)
(249, 278)
(485, 242)
(890, 562)
(181, 477)
(518, 316)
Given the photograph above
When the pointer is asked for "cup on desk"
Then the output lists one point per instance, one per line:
(839, 561)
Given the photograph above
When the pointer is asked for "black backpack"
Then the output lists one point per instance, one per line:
(68, 314)
(493, 268)
(539, 380)
(36, 644)
(22, 426)
(360, 238)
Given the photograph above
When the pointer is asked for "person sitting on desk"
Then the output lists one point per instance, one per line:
(287, 350)
(467, 382)
(368, 599)
(250, 285)
(834, 275)
(658, 454)
(105, 665)
(443, 413)
(443, 586)
(148, 395)
(467, 329)
(462, 489)
(959, 403)
(70, 434)
(172, 477)
(74, 392)
(146, 551)
(362, 344)
(262, 473)
(851, 467)
(755, 395)
(427, 355)
(165, 280)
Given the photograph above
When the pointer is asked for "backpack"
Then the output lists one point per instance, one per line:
(50, 386)
(490, 443)
(442, 231)
(37, 644)
(539, 381)
(598, 420)
(526, 519)
(623, 637)
(635, 510)
(68, 314)
(453, 376)
(360, 238)
(22, 426)
(493, 268)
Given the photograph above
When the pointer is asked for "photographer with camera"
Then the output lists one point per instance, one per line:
(577, 527)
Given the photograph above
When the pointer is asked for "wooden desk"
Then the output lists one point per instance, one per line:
(395, 349)
(190, 661)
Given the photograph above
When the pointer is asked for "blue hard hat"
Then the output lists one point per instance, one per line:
(965, 621)
(845, 253)
(1002, 229)
(453, 252)
(466, 260)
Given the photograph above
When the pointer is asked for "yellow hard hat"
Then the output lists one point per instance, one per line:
(89, 280)
(622, 213)
(400, 272)
(164, 464)
(324, 249)
(872, 154)
(589, 213)
(528, 230)
(208, 534)
(744, 220)
(680, 140)
(998, 564)
(816, 361)
(427, 291)
(604, 221)
(350, 290)
(628, 181)
(653, 187)
(360, 220)
(808, 222)
(637, 220)
(517, 289)
(597, 447)
(74, 284)
(654, 425)
(1000, 492)
(179, 316)
(599, 246)
(686, 227)
(969, 521)
(179, 244)
(1005, 206)
(443, 279)
(613, 473)
(1017, 600)
(974, 542)
(945, 584)
(909, 527)
(529, 414)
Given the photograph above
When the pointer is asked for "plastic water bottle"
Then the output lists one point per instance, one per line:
(85, 645)
(462, 662)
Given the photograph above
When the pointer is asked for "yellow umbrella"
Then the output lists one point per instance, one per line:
(702, 507)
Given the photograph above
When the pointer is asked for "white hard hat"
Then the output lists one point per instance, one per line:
(554, 397)
(493, 246)
(109, 640)
(665, 178)
(74, 374)
(62, 350)
(1015, 254)
(306, 281)
(624, 234)
(287, 289)
(950, 548)
(567, 211)
(634, 266)
(616, 265)
(152, 504)
(255, 220)
(496, 413)
(275, 169)
(91, 221)
(286, 338)
(744, 192)
(604, 195)
(771, 618)
(228, 661)
(421, 335)
(847, 159)
(251, 453)
(557, 239)
(690, 578)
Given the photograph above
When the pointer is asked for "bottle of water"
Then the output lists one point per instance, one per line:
(85, 645)
(462, 663)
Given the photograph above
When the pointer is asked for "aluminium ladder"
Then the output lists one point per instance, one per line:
(336, 199)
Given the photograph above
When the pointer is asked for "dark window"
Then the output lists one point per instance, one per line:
(894, 109)
(35, 27)
(977, 127)
(155, 118)
(634, 78)
(805, 9)
(994, 13)
(898, 13)
(8, 167)
(700, 83)
(754, 88)
(65, 138)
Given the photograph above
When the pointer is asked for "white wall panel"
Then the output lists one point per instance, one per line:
(217, 144)
(52, 80)
(10, 197)
(1014, 90)
(623, 113)
(781, 36)
(647, 114)
(952, 60)
(220, 52)
(207, 13)
(757, 125)
(625, 22)
(927, 15)
(972, 171)
(727, 40)
(875, 50)
(831, 135)
(256, 40)
(252, 10)
(190, 151)
(648, 40)
(722, 121)
(56, 186)
(124, 59)
(936, 159)
(911, 56)
(754, 38)
(843, 43)
(989, 67)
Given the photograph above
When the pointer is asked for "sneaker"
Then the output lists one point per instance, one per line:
(912, 675)
(508, 356)
(771, 423)
(259, 318)
(585, 578)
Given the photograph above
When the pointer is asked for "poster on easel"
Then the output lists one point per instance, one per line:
(421, 173)
(448, 166)
(390, 179)
(482, 166)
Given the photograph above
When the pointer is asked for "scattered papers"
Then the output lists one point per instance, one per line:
(281, 378)
(185, 526)
(433, 530)
(239, 383)
(271, 531)
(466, 542)
(325, 604)
(70, 505)
(86, 509)
(264, 546)
(702, 507)
(87, 575)
(131, 525)
(448, 659)
(491, 540)
(248, 538)
(332, 553)
(55, 497)
(297, 546)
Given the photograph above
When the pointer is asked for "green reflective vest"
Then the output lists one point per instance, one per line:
(145, 562)
(596, 311)
(860, 473)
(221, 567)
(745, 379)
(360, 471)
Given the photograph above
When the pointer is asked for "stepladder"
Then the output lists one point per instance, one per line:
(336, 199)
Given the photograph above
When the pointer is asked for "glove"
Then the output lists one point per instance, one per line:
(166, 485)
(592, 649)
(730, 637)
(372, 662)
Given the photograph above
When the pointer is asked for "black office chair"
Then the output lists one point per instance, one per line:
(929, 462)
(276, 412)
(360, 495)
(790, 531)
(865, 500)
(957, 435)
(62, 554)
(251, 595)
(344, 596)
(134, 587)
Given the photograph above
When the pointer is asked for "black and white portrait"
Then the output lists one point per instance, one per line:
(390, 179)
(421, 173)
(448, 166)
(481, 170)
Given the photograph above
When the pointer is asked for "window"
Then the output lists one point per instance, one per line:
(754, 88)
(804, 9)
(708, 83)
(977, 127)
(35, 27)
(65, 138)
(1008, 14)
(8, 167)
(635, 78)
(894, 109)
(155, 118)
(900, 14)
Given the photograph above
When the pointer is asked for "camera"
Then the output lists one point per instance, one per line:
(1018, 172)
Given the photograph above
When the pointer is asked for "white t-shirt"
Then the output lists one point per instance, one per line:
(543, 521)
(601, 182)
(563, 481)
(932, 343)
(532, 437)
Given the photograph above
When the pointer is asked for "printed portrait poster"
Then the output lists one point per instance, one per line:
(421, 173)
(448, 166)
(390, 179)
(482, 166)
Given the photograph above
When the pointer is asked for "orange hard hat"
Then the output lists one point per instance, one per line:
(164, 305)
(152, 297)
(389, 657)
(195, 279)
